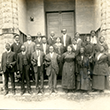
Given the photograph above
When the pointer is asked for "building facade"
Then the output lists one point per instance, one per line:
(31, 16)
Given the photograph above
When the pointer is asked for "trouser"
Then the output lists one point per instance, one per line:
(52, 80)
(39, 75)
(25, 75)
(6, 77)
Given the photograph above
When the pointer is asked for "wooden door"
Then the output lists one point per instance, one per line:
(57, 21)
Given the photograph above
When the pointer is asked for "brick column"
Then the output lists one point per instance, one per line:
(105, 20)
(8, 22)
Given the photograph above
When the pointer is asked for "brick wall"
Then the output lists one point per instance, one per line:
(105, 20)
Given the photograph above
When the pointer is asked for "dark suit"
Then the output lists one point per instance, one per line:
(23, 65)
(51, 41)
(52, 70)
(30, 48)
(8, 63)
(38, 42)
(17, 49)
(47, 48)
(68, 41)
(38, 70)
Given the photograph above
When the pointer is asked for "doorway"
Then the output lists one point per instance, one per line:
(56, 21)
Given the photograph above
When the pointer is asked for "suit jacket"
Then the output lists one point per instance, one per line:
(68, 40)
(20, 61)
(38, 42)
(9, 58)
(53, 65)
(47, 48)
(30, 48)
(35, 57)
(16, 48)
(51, 41)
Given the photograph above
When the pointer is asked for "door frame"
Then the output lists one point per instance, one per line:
(60, 12)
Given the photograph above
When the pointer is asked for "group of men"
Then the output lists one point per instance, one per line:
(20, 58)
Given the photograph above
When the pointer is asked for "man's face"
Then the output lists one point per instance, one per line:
(39, 35)
(92, 33)
(88, 39)
(51, 49)
(64, 31)
(44, 40)
(28, 37)
(77, 36)
(23, 48)
(101, 39)
(52, 34)
(7, 47)
(69, 49)
(81, 50)
(37, 47)
(17, 38)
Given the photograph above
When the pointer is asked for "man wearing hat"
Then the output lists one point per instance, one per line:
(37, 60)
(8, 62)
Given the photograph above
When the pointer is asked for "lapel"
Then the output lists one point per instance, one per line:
(9, 54)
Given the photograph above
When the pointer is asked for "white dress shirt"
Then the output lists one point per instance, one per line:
(29, 42)
(51, 54)
(75, 46)
(44, 48)
(38, 56)
(94, 40)
(64, 39)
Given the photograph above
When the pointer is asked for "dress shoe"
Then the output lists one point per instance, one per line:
(55, 91)
(41, 90)
(50, 91)
(6, 92)
(13, 92)
(22, 92)
(29, 92)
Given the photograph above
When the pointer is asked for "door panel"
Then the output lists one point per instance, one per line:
(58, 21)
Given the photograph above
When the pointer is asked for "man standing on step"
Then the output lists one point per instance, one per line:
(23, 65)
(37, 60)
(8, 63)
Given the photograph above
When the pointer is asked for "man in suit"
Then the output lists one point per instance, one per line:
(23, 65)
(45, 49)
(16, 47)
(38, 40)
(51, 39)
(45, 46)
(30, 48)
(37, 60)
(65, 38)
(53, 69)
(8, 62)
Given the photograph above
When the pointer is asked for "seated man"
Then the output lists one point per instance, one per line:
(23, 66)
(8, 63)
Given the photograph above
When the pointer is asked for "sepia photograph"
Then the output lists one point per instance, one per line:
(55, 54)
